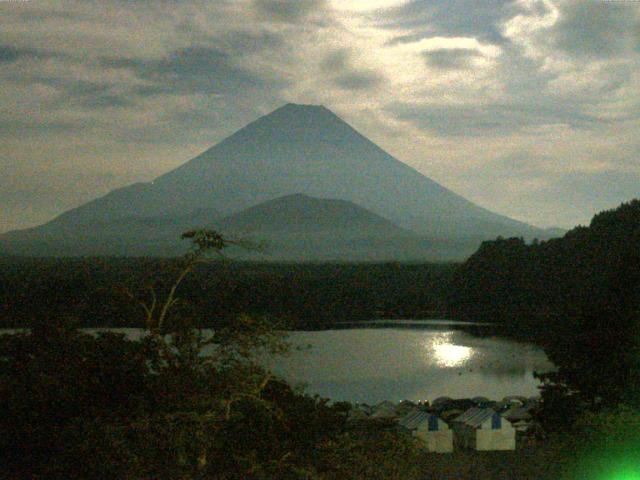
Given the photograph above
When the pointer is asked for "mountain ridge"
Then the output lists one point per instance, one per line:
(298, 226)
(296, 148)
(300, 210)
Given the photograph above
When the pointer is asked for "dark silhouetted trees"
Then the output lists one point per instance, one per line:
(578, 296)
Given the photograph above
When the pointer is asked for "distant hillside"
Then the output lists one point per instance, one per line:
(125, 236)
(302, 213)
(295, 149)
(294, 227)
(300, 227)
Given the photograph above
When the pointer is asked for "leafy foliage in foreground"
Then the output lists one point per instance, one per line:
(77, 405)
(176, 403)
(83, 406)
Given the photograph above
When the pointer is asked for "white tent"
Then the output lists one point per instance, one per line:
(483, 429)
(431, 430)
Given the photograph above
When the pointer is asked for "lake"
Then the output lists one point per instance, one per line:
(415, 360)
(374, 364)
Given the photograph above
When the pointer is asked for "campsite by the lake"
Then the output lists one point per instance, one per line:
(535, 376)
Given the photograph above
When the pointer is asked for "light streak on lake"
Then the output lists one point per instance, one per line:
(374, 364)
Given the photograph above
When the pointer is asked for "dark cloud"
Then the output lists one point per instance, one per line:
(84, 93)
(336, 60)
(94, 95)
(491, 119)
(288, 10)
(243, 42)
(338, 65)
(597, 29)
(451, 58)
(358, 80)
(76, 92)
(449, 18)
(201, 69)
(10, 53)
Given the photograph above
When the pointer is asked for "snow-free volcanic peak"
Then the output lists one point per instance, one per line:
(304, 149)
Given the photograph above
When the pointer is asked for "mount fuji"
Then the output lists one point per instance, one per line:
(297, 152)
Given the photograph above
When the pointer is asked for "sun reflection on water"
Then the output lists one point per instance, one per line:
(446, 354)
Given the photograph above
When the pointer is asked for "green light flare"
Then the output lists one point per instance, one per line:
(617, 469)
(627, 474)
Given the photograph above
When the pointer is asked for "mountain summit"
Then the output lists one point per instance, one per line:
(303, 149)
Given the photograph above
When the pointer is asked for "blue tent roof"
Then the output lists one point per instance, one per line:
(475, 417)
(414, 419)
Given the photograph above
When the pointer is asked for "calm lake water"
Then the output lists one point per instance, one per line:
(374, 364)
(421, 361)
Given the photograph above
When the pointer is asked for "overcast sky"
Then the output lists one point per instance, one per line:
(530, 108)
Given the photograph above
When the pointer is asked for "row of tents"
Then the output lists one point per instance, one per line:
(476, 429)
(481, 425)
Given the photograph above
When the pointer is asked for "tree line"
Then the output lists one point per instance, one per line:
(97, 292)
(577, 296)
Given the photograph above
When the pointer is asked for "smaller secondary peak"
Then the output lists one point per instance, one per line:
(295, 198)
(297, 195)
